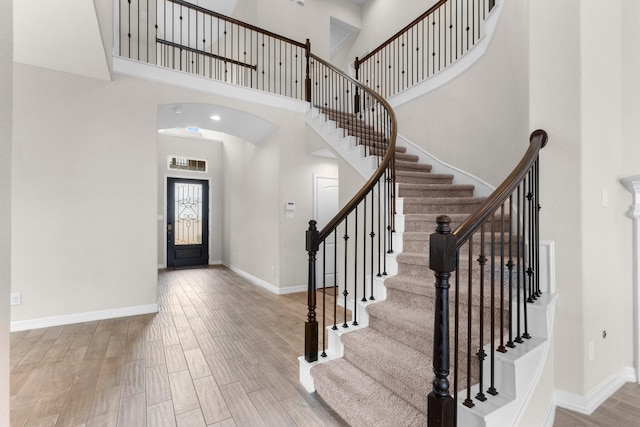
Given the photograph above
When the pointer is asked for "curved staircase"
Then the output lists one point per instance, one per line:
(381, 371)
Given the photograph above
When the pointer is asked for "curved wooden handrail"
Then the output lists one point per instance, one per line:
(537, 141)
(237, 22)
(384, 164)
(400, 33)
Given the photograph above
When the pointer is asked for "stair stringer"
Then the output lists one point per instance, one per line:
(346, 146)
(517, 372)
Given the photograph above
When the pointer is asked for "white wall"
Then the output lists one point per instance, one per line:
(85, 156)
(577, 95)
(6, 79)
(606, 287)
(84, 180)
(479, 121)
(200, 149)
(289, 19)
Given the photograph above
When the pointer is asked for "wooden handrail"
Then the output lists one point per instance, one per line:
(384, 164)
(205, 53)
(537, 141)
(399, 33)
(235, 21)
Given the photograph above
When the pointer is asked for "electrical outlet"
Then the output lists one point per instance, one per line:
(273, 270)
(605, 197)
(16, 299)
(592, 351)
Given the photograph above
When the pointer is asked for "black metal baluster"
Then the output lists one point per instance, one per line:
(355, 271)
(345, 293)
(526, 226)
(492, 389)
(380, 235)
(481, 354)
(520, 210)
(386, 216)
(324, 297)
(510, 265)
(468, 402)
(335, 279)
(372, 234)
(501, 348)
(364, 249)
(537, 208)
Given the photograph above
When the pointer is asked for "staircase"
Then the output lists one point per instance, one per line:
(381, 374)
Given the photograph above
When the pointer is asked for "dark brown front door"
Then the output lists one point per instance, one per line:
(187, 222)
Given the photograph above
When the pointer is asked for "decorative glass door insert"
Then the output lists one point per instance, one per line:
(188, 214)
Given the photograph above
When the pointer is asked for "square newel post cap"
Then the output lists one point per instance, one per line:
(442, 247)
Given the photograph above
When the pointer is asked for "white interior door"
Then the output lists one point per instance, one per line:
(326, 207)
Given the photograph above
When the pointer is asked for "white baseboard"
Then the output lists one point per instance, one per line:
(218, 262)
(264, 284)
(589, 403)
(67, 319)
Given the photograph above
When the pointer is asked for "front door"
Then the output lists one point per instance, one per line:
(187, 222)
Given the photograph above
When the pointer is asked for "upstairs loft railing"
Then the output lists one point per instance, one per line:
(182, 36)
(426, 46)
(348, 253)
(490, 293)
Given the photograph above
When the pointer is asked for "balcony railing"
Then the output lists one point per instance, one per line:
(182, 36)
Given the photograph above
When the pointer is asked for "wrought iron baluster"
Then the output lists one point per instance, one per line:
(501, 347)
(345, 293)
(324, 298)
(510, 265)
(482, 260)
(355, 272)
(520, 210)
(492, 389)
(468, 402)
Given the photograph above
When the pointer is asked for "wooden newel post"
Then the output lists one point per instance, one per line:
(307, 80)
(442, 252)
(356, 97)
(311, 326)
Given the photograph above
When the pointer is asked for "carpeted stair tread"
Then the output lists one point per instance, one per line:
(403, 166)
(404, 370)
(422, 177)
(359, 399)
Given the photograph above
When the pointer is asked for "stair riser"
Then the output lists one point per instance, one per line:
(413, 224)
(452, 192)
(426, 300)
(411, 207)
(399, 156)
(422, 271)
(421, 339)
(424, 178)
(422, 246)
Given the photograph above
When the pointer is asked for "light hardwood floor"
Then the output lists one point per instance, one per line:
(620, 410)
(220, 352)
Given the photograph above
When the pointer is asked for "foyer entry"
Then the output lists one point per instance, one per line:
(187, 222)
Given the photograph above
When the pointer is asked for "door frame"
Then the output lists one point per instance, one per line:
(164, 215)
(316, 178)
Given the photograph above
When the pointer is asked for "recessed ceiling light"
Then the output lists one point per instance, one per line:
(215, 117)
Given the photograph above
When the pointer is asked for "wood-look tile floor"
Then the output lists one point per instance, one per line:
(220, 352)
(620, 410)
